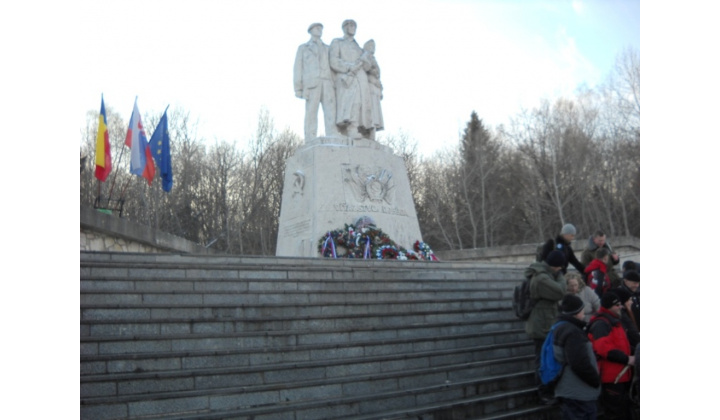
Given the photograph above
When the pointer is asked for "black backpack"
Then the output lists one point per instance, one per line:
(540, 248)
(523, 304)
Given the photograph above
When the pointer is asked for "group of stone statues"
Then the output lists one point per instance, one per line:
(344, 79)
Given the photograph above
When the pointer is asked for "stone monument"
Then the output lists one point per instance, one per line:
(345, 175)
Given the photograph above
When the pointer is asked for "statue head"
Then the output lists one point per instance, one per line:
(349, 26)
(314, 25)
(369, 46)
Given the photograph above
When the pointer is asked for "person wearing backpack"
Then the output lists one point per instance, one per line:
(547, 288)
(563, 243)
(596, 242)
(596, 273)
(578, 387)
(612, 347)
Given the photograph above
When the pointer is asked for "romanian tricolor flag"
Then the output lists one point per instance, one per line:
(141, 161)
(103, 160)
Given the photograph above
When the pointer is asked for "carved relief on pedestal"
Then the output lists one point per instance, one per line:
(374, 184)
(298, 185)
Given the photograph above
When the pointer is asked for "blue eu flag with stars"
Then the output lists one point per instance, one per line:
(160, 148)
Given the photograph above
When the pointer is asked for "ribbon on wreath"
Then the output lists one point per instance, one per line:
(366, 254)
(332, 246)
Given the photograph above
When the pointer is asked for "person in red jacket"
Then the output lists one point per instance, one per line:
(596, 275)
(610, 344)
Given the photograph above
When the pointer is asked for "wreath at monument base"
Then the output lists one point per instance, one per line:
(364, 240)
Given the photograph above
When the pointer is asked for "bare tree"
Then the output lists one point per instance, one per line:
(558, 143)
(407, 148)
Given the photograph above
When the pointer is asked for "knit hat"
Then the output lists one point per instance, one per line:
(556, 259)
(568, 229)
(609, 300)
(623, 294)
(632, 276)
(571, 305)
(629, 265)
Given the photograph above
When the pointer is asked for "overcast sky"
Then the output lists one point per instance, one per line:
(224, 61)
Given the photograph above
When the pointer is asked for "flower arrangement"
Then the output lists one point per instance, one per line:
(387, 252)
(424, 250)
(366, 241)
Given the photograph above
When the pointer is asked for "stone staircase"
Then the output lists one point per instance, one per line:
(225, 337)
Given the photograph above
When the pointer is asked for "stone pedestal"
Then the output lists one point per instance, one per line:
(330, 182)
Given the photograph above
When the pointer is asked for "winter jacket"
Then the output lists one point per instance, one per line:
(562, 245)
(631, 330)
(597, 278)
(548, 288)
(611, 345)
(590, 299)
(580, 378)
(588, 255)
(635, 306)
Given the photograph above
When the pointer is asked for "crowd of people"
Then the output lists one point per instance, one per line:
(598, 336)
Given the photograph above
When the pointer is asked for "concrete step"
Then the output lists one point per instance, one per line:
(325, 279)
(355, 327)
(113, 345)
(248, 280)
(212, 312)
(109, 311)
(389, 272)
(287, 297)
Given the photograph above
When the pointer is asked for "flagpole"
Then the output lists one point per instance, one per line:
(158, 195)
(119, 158)
(99, 190)
(122, 194)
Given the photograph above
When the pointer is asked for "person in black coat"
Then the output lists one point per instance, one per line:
(631, 283)
(562, 243)
(630, 266)
(579, 386)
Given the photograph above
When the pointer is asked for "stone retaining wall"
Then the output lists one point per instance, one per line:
(104, 232)
(96, 241)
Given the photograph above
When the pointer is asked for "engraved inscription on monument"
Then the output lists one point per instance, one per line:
(297, 228)
(369, 208)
